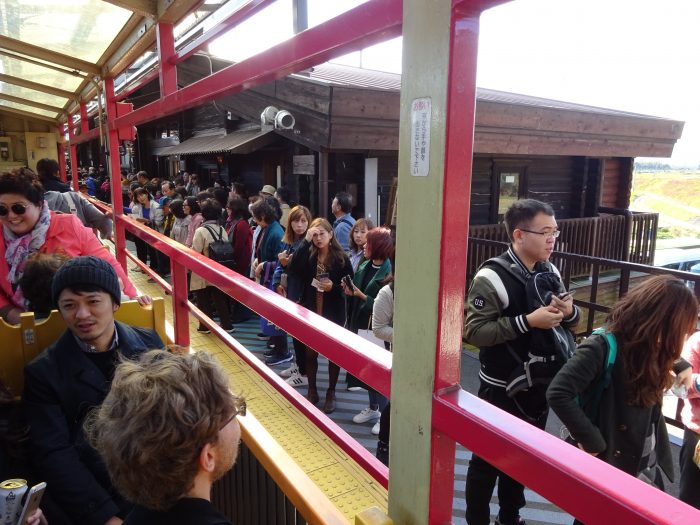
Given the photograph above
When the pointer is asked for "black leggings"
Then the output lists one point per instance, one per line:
(690, 472)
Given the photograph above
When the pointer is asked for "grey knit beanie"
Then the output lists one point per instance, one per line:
(86, 270)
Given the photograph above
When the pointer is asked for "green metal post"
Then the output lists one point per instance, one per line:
(438, 94)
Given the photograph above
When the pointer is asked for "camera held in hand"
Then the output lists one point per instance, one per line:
(347, 281)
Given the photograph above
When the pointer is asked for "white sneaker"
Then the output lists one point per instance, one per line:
(297, 380)
(289, 372)
(367, 414)
(355, 388)
(375, 429)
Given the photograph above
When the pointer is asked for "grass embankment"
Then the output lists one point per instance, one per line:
(674, 195)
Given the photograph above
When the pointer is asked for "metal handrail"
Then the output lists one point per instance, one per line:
(584, 486)
(358, 356)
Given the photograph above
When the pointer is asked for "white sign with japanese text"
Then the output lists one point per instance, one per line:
(420, 136)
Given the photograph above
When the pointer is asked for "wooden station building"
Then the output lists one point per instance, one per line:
(345, 137)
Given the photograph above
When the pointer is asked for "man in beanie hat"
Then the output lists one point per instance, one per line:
(71, 377)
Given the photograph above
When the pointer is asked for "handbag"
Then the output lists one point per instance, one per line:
(368, 335)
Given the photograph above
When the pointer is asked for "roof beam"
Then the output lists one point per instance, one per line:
(141, 38)
(26, 102)
(355, 29)
(140, 7)
(69, 72)
(172, 11)
(50, 56)
(36, 86)
(27, 114)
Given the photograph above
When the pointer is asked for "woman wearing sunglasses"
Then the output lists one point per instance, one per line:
(29, 227)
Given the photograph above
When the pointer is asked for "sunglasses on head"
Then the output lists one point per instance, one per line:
(17, 208)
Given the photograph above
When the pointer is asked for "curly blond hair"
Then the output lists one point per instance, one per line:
(160, 412)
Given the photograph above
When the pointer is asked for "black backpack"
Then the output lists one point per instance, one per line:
(221, 250)
(548, 350)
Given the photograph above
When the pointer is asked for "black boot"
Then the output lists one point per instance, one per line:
(383, 452)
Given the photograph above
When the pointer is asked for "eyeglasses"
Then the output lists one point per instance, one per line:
(240, 410)
(17, 208)
(547, 235)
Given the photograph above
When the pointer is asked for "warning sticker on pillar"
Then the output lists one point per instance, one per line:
(420, 136)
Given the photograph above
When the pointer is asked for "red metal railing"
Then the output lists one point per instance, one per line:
(348, 350)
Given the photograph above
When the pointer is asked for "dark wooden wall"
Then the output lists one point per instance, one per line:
(555, 180)
(617, 182)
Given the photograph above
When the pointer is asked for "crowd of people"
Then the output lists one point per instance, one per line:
(607, 390)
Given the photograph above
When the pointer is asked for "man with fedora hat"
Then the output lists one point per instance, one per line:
(71, 377)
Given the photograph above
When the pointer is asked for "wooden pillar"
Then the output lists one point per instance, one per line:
(323, 205)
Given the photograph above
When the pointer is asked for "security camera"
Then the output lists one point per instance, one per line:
(268, 115)
(284, 120)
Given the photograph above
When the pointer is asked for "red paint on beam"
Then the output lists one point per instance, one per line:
(584, 486)
(61, 152)
(84, 125)
(73, 155)
(86, 136)
(360, 27)
(166, 51)
(141, 82)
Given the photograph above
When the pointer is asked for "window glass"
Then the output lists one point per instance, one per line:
(509, 188)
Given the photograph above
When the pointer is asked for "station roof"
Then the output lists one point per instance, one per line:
(53, 51)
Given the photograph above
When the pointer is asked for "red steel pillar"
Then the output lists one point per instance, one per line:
(438, 98)
(73, 155)
(167, 76)
(61, 152)
(84, 126)
(115, 171)
(461, 105)
(166, 52)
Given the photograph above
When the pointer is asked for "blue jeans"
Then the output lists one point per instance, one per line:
(376, 400)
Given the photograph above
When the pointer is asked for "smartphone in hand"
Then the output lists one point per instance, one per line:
(31, 502)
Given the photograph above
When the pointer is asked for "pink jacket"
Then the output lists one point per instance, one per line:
(66, 235)
(691, 408)
(196, 222)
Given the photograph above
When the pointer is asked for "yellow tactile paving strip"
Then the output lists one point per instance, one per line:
(345, 483)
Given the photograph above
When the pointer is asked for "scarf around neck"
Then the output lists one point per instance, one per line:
(19, 248)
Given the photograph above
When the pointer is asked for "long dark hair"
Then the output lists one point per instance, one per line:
(651, 323)
(336, 254)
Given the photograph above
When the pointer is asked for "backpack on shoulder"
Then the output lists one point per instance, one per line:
(220, 250)
(590, 403)
(548, 349)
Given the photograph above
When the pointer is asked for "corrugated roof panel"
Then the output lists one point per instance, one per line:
(235, 142)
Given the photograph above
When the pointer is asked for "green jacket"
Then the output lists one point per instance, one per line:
(360, 312)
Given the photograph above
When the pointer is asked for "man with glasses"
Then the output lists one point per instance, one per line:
(167, 431)
(500, 323)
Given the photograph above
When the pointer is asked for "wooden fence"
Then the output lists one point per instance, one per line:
(618, 235)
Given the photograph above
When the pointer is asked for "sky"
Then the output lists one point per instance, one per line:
(633, 55)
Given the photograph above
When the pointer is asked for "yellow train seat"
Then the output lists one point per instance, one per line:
(21, 343)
